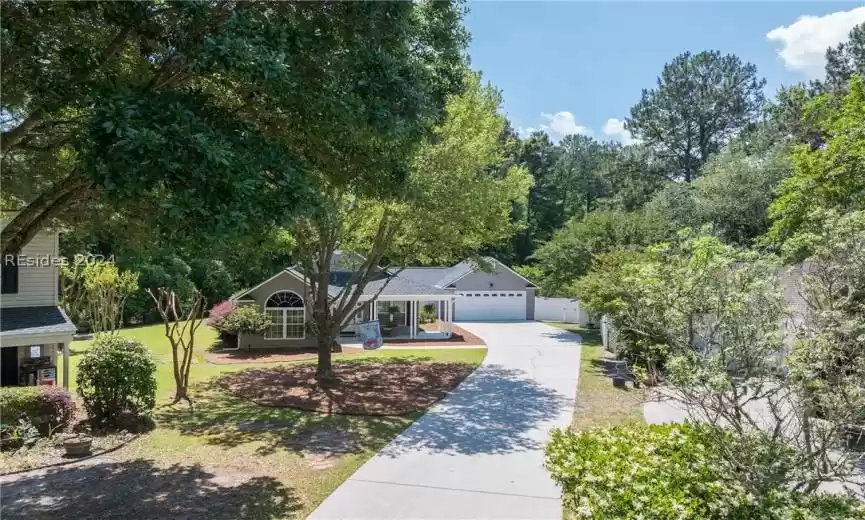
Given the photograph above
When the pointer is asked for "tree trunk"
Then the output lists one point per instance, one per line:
(324, 371)
(31, 219)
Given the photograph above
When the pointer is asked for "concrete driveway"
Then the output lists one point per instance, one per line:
(479, 452)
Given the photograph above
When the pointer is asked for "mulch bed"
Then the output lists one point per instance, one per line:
(268, 355)
(460, 337)
(369, 388)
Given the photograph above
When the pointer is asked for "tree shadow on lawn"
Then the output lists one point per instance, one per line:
(612, 368)
(223, 419)
(585, 337)
(138, 489)
(495, 410)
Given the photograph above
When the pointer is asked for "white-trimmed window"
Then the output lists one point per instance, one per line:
(287, 316)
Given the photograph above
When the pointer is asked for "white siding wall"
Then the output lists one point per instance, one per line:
(37, 284)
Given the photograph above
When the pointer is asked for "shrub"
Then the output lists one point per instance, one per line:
(19, 402)
(117, 376)
(219, 313)
(246, 320)
(13, 436)
(56, 408)
(428, 313)
(676, 471)
(49, 408)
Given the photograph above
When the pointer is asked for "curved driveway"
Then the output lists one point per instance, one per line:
(478, 453)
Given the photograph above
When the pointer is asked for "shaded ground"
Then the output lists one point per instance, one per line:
(51, 452)
(269, 355)
(236, 459)
(108, 488)
(368, 388)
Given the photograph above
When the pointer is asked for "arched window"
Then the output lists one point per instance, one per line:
(287, 315)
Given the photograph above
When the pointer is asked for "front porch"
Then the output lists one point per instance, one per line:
(411, 317)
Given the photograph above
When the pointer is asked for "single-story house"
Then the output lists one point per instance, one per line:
(415, 303)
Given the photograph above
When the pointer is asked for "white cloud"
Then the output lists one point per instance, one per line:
(804, 42)
(615, 128)
(561, 124)
(525, 131)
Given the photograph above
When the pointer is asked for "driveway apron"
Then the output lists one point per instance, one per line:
(479, 452)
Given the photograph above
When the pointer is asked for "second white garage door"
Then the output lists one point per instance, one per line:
(490, 305)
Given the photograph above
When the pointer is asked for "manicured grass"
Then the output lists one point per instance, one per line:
(232, 438)
(599, 403)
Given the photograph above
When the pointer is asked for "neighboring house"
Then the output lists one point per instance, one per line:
(33, 327)
(417, 302)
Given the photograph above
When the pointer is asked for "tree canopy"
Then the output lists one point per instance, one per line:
(209, 119)
(700, 102)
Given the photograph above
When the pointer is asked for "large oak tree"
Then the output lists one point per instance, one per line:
(207, 120)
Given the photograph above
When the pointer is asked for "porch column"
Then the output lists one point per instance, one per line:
(413, 325)
(447, 317)
(65, 348)
(450, 317)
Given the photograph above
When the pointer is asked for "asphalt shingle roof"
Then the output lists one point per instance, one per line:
(398, 285)
(15, 321)
(424, 275)
(454, 273)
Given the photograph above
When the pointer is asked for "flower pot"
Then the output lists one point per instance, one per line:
(78, 446)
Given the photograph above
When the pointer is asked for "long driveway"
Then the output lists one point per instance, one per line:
(479, 452)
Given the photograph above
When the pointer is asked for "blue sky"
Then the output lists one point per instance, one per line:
(571, 67)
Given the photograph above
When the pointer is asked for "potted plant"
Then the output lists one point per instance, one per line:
(392, 310)
(78, 446)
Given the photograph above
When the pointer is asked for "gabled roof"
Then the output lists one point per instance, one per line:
(25, 321)
(409, 281)
(455, 273)
(465, 268)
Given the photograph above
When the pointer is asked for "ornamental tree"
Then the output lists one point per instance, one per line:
(450, 203)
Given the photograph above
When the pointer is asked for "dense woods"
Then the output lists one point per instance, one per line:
(711, 151)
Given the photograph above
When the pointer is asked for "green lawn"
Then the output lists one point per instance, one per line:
(307, 453)
(599, 403)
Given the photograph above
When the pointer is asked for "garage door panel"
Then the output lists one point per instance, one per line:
(490, 305)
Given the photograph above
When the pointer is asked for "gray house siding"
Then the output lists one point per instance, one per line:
(500, 279)
(283, 282)
(530, 303)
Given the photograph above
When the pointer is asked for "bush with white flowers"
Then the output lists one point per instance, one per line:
(676, 471)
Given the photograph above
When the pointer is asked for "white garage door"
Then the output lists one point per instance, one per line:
(490, 305)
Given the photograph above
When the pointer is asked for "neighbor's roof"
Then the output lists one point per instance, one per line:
(18, 321)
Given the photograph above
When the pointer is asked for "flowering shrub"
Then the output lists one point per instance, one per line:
(675, 471)
(246, 320)
(56, 408)
(219, 313)
(116, 377)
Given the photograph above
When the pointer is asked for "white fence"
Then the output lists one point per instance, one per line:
(560, 309)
